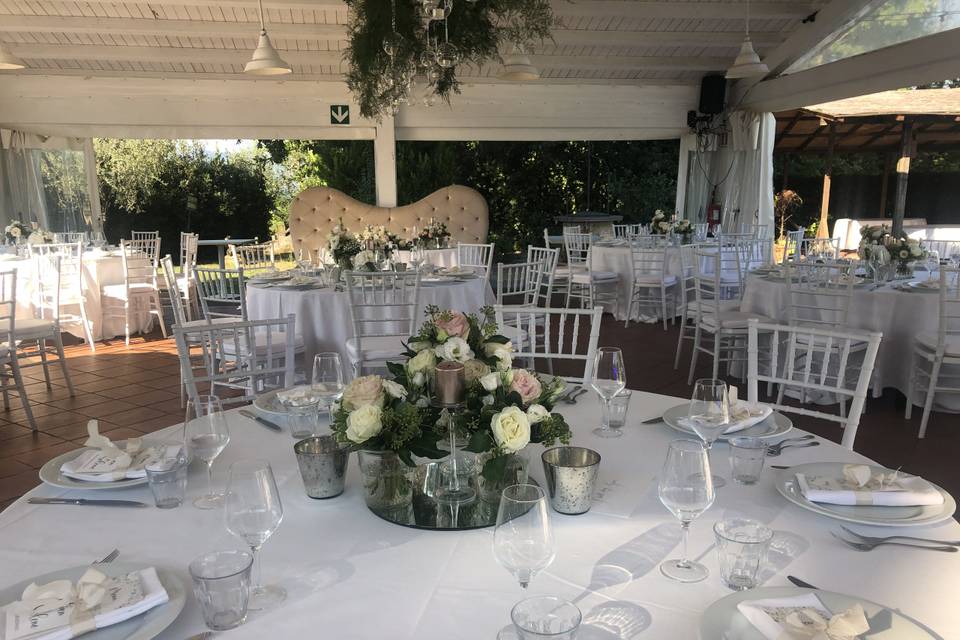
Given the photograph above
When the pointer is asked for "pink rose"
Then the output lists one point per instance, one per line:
(457, 326)
(526, 384)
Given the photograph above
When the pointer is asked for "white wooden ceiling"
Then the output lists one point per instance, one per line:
(600, 41)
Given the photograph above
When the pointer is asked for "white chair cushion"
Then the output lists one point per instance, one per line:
(731, 319)
(376, 348)
(725, 305)
(928, 340)
(587, 277)
(654, 280)
(120, 291)
(27, 328)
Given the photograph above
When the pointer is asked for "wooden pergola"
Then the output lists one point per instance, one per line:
(895, 123)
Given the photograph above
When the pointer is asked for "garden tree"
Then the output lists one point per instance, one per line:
(175, 186)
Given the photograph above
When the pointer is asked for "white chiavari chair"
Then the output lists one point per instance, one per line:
(186, 285)
(932, 351)
(727, 326)
(477, 256)
(222, 292)
(384, 309)
(626, 231)
(226, 365)
(819, 249)
(519, 283)
(549, 258)
(791, 248)
(790, 344)
(588, 286)
(945, 249)
(253, 257)
(44, 327)
(144, 235)
(70, 237)
(650, 284)
(560, 331)
(73, 306)
(140, 293)
(760, 231)
(10, 377)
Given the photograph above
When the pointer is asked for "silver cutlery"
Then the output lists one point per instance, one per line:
(870, 546)
(653, 420)
(775, 450)
(263, 421)
(86, 502)
(871, 539)
(576, 396)
(779, 466)
(110, 557)
(803, 584)
(563, 397)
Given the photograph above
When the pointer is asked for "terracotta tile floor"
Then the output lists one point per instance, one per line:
(134, 391)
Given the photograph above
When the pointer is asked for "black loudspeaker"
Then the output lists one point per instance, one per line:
(713, 91)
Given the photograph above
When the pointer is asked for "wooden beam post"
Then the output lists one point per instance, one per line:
(903, 174)
(823, 228)
(785, 179)
(884, 185)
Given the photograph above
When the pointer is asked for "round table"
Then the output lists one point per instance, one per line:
(355, 576)
(435, 257)
(323, 314)
(898, 314)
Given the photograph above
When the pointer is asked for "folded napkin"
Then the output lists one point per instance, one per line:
(743, 415)
(860, 486)
(298, 396)
(60, 610)
(105, 462)
(802, 618)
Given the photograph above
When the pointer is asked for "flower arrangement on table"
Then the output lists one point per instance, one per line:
(16, 231)
(38, 235)
(435, 234)
(343, 246)
(684, 229)
(879, 247)
(660, 225)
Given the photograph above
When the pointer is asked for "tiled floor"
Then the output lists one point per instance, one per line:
(135, 391)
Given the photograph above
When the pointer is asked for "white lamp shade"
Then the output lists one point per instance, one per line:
(748, 63)
(266, 61)
(8, 60)
(517, 67)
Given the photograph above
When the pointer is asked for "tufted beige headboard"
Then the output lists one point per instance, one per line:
(315, 211)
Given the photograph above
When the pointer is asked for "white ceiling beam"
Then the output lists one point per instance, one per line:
(693, 63)
(139, 26)
(613, 38)
(910, 63)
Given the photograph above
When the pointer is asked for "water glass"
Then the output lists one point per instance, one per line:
(544, 617)
(302, 417)
(221, 582)
(746, 459)
(741, 549)
(617, 410)
(168, 481)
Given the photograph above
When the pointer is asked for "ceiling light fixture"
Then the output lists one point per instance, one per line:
(266, 61)
(518, 67)
(8, 60)
(748, 63)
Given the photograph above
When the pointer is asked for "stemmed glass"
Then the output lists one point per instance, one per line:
(709, 414)
(686, 489)
(252, 512)
(609, 379)
(417, 256)
(523, 538)
(327, 381)
(205, 435)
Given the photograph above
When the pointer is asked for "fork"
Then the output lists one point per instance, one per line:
(870, 546)
(110, 557)
(871, 539)
(777, 449)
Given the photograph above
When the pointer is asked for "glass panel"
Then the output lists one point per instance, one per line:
(65, 192)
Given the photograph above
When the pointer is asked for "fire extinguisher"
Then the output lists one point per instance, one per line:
(713, 211)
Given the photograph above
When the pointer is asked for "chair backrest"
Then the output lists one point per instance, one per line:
(819, 293)
(716, 277)
(383, 303)
(819, 249)
(647, 262)
(577, 247)
(70, 237)
(945, 248)
(55, 247)
(627, 230)
(188, 253)
(48, 287)
(760, 231)
(948, 325)
(170, 280)
(140, 262)
(8, 306)
(813, 360)
(791, 250)
(549, 258)
(520, 282)
(222, 292)
(144, 235)
(700, 231)
(229, 366)
(688, 281)
(253, 256)
(478, 256)
(554, 334)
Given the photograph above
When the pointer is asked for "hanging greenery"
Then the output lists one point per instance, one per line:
(399, 45)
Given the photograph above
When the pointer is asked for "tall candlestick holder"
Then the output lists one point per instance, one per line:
(449, 391)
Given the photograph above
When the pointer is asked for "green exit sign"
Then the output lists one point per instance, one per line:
(339, 114)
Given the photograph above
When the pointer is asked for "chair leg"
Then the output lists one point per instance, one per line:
(87, 331)
(663, 305)
(911, 386)
(683, 328)
(928, 403)
(18, 381)
(717, 342)
(126, 322)
(696, 352)
(58, 340)
(42, 348)
(155, 299)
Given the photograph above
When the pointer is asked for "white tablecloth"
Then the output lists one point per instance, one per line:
(99, 269)
(435, 257)
(351, 575)
(323, 315)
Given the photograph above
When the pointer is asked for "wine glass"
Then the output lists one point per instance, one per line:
(932, 263)
(327, 381)
(523, 538)
(609, 379)
(686, 489)
(709, 414)
(205, 435)
(252, 512)
(417, 256)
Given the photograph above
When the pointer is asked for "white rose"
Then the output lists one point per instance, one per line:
(474, 370)
(422, 402)
(364, 423)
(455, 349)
(424, 362)
(419, 379)
(490, 381)
(511, 429)
(15, 232)
(362, 391)
(502, 352)
(916, 251)
(488, 400)
(507, 377)
(537, 413)
(395, 390)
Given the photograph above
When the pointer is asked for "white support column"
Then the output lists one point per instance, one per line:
(385, 162)
(93, 187)
(687, 142)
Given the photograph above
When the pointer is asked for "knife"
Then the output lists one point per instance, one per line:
(653, 420)
(87, 502)
(269, 425)
(800, 583)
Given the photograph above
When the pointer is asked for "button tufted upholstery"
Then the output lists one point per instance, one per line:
(315, 211)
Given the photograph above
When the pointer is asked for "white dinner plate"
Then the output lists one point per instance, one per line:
(269, 402)
(723, 621)
(50, 474)
(145, 626)
(869, 515)
(775, 425)
(921, 285)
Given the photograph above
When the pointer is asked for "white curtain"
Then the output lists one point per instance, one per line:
(22, 194)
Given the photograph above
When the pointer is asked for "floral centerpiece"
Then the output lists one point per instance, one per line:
(435, 235)
(684, 229)
(505, 409)
(343, 246)
(38, 235)
(16, 232)
(879, 247)
(660, 224)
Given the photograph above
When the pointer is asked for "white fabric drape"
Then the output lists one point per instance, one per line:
(22, 197)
